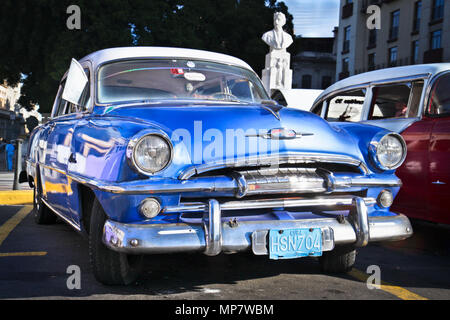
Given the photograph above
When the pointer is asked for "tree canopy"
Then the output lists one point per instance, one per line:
(35, 41)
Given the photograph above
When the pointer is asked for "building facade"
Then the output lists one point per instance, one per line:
(9, 96)
(11, 120)
(410, 32)
(314, 64)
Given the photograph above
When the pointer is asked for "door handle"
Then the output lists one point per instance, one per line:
(438, 182)
(51, 127)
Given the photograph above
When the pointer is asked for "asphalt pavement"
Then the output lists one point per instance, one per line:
(38, 262)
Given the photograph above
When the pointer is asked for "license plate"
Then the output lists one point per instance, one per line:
(295, 243)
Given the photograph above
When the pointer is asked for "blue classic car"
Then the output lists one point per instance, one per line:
(166, 150)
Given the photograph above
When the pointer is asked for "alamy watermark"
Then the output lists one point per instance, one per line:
(374, 280)
(74, 280)
(374, 19)
(73, 22)
(204, 144)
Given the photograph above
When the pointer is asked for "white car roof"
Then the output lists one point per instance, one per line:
(111, 54)
(386, 74)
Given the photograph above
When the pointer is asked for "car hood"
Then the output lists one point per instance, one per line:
(212, 132)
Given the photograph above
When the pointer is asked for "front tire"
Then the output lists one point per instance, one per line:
(340, 260)
(109, 267)
(42, 214)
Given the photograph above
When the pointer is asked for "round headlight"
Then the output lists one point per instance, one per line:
(390, 151)
(150, 153)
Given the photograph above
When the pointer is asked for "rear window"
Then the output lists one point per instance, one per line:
(440, 97)
(396, 100)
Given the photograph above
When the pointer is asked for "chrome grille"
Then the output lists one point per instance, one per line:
(282, 180)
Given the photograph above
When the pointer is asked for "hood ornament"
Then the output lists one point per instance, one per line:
(281, 134)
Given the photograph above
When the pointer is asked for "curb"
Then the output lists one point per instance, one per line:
(15, 197)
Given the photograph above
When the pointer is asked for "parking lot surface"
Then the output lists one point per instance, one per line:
(38, 262)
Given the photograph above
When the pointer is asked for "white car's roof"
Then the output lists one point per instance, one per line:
(386, 74)
(106, 55)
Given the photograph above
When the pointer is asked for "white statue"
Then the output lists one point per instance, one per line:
(277, 38)
(277, 74)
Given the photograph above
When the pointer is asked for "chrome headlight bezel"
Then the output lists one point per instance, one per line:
(374, 150)
(135, 140)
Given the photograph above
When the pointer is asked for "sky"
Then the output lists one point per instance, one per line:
(314, 18)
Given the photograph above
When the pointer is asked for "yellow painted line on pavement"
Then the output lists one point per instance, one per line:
(12, 197)
(397, 291)
(23, 254)
(9, 225)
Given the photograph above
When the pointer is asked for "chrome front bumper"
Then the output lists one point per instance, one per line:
(215, 234)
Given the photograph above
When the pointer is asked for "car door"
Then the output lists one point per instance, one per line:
(412, 199)
(439, 151)
(57, 186)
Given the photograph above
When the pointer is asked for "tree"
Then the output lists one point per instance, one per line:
(37, 46)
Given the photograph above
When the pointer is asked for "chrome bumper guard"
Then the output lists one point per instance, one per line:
(215, 234)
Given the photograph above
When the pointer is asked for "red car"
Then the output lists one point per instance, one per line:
(413, 101)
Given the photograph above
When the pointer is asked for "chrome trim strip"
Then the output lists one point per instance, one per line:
(228, 185)
(52, 168)
(269, 204)
(67, 220)
(291, 158)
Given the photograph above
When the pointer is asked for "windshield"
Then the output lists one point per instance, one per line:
(143, 80)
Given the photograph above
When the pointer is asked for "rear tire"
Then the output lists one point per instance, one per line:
(42, 214)
(340, 260)
(109, 267)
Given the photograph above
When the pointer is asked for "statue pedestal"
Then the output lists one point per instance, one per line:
(277, 74)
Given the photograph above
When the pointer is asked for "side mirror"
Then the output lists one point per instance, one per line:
(75, 83)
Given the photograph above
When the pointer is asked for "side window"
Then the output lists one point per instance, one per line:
(399, 100)
(346, 106)
(65, 107)
(86, 94)
(61, 103)
(440, 97)
(71, 108)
